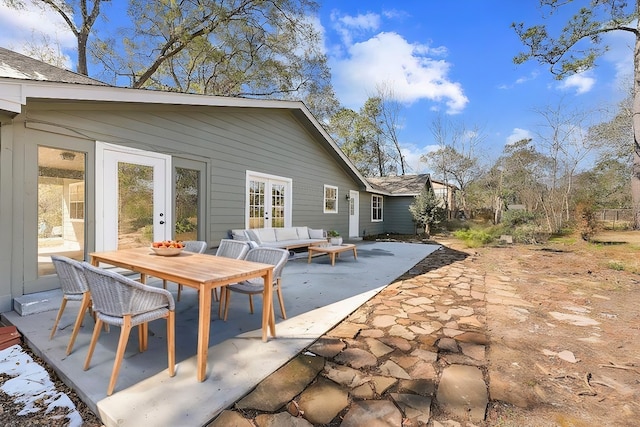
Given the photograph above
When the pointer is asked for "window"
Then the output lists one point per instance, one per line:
(76, 201)
(376, 208)
(330, 199)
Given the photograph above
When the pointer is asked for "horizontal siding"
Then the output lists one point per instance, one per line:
(230, 141)
(397, 217)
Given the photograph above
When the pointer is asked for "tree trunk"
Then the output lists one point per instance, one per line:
(635, 170)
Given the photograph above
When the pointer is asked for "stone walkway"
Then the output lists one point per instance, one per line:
(413, 355)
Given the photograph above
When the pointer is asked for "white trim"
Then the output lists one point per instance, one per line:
(288, 202)
(104, 234)
(324, 199)
(373, 196)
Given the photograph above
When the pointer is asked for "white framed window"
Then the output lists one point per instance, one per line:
(330, 199)
(376, 208)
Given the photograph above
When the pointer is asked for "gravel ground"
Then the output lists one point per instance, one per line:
(10, 406)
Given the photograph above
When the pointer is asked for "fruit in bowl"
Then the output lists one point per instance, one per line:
(167, 247)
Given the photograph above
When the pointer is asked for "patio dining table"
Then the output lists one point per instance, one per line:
(199, 271)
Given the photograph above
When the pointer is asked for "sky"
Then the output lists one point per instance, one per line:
(449, 59)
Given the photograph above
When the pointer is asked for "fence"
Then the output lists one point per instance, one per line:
(615, 218)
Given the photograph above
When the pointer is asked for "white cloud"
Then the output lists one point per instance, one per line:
(517, 135)
(348, 26)
(34, 26)
(412, 155)
(581, 82)
(411, 69)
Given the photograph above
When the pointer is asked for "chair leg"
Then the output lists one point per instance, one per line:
(215, 294)
(251, 303)
(84, 306)
(179, 291)
(279, 292)
(92, 345)
(171, 342)
(63, 304)
(122, 345)
(164, 283)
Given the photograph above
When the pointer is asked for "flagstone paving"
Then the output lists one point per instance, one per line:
(469, 339)
(421, 339)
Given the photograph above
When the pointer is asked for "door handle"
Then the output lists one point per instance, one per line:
(161, 222)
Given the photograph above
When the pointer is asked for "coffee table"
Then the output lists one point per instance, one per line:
(332, 251)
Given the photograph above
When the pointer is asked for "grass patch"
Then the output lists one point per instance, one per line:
(475, 237)
(615, 265)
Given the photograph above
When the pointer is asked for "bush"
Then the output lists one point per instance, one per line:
(475, 237)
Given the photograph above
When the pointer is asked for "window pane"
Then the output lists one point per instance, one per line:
(187, 203)
(60, 206)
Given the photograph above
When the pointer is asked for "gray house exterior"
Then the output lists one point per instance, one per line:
(400, 191)
(70, 147)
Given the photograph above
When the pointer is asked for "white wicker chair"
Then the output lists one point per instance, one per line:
(195, 246)
(118, 300)
(274, 256)
(74, 288)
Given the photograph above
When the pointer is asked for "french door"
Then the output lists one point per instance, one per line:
(354, 213)
(133, 197)
(268, 201)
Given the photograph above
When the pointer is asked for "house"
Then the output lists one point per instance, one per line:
(400, 192)
(86, 167)
(447, 194)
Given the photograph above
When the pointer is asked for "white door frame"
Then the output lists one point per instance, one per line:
(269, 180)
(354, 213)
(107, 158)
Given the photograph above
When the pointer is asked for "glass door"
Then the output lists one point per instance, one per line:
(269, 201)
(134, 209)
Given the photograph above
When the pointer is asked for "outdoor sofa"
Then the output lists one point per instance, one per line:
(285, 238)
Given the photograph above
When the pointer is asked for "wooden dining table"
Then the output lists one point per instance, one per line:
(199, 271)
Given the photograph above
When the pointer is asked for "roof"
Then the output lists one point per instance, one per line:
(17, 66)
(400, 185)
(23, 78)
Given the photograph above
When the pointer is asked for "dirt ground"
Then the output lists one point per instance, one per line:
(582, 301)
(583, 304)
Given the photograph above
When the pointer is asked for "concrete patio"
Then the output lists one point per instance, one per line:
(317, 297)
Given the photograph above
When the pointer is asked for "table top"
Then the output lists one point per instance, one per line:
(331, 248)
(187, 268)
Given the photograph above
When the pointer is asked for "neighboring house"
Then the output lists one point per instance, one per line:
(400, 192)
(89, 167)
(447, 195)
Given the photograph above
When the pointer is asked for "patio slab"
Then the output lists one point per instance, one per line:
(317, 297)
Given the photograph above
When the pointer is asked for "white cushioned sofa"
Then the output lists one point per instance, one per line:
(285, 238)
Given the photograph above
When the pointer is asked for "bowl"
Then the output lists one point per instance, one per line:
(167, 251)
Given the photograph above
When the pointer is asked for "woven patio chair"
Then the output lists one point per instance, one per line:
(118, 300)
(274, 256)
(74, 288)
(230, 248)
(195, 246)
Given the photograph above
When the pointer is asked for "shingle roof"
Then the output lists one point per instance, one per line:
(400, 184)
(18, 66)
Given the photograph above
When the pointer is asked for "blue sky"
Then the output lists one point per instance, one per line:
(450, 58)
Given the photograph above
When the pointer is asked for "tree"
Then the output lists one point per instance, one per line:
(369, 137)
(426, 210)
(455, 160)
(253, 48)
(85, 11)
(562, 139)
(577, 48)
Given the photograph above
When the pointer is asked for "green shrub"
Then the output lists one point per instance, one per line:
(475, 237)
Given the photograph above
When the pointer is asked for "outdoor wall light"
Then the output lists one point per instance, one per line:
(347, 197)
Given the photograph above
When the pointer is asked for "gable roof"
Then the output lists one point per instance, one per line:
(23, 78)
(401, 185)
(18, 66)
